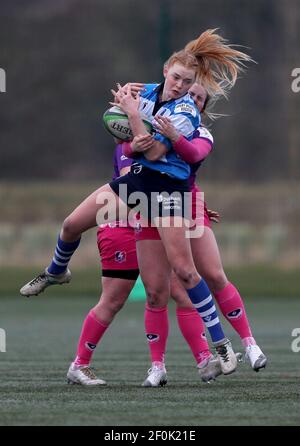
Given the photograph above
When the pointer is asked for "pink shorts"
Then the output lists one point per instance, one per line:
(151, 232)
(117, 248)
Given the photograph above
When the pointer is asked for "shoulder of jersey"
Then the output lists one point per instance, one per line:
(204, 133)
(148, 88)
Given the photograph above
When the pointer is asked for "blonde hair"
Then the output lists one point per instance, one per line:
(185, 58)
(219, 63)
(216, 62)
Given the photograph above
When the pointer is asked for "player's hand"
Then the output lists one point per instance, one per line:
(136, 88)
(213, 216)
(141, 143)
(124, 100)
(165, 127)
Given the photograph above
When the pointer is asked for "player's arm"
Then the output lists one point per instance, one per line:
(152, 150)
(190, 151)
(157, 151)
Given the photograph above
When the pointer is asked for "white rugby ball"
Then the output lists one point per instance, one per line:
(117, 124)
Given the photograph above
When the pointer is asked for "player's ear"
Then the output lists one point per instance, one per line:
(165, 70)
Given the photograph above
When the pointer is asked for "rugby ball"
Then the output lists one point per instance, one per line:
(117, 124)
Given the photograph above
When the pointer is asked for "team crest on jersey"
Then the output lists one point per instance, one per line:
(235, 314)
(152, 337)
(120, 256)
(185, 108)
(203, 336)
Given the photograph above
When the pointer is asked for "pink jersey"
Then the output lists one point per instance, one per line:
(116, 243)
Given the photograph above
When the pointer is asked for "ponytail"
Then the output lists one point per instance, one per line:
(218, 62)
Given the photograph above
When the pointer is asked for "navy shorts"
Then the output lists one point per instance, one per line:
(156, 193)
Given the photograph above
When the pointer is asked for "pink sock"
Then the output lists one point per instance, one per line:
(91, 333)
(157, 330)
(232, 307)
(192, 329)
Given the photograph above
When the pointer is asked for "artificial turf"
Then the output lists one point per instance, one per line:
(41, 336)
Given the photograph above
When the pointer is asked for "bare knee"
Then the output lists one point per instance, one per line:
(216, 279)
(106, 310)
(69, 229)
(115, 306)
(157, 296)
(187, 276)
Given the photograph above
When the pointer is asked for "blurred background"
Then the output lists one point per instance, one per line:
(61, 57)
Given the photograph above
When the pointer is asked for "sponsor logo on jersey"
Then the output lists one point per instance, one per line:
(152, 337)
(169, 201)
(235, 314)
(123, 158)
(90, 346)
(185, 108)
(120, 256)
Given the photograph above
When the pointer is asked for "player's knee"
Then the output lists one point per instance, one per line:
(69, 228)
(116, 305)
(215, 279)
(185, 274)
(156, 296)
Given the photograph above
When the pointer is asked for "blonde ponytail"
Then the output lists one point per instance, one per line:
(218, 62)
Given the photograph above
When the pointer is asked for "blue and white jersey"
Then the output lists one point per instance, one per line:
(184, 115)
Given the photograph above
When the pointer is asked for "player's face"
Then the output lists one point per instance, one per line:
(178, 80)
(199, 95)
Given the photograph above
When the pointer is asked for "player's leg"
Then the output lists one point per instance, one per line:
(155, 273)
(208, 262)
(115, 292)
(87, 215)
(193, 330)
(119, 272)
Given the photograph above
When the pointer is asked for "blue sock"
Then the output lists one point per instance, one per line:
(62, 256)
(201, 298)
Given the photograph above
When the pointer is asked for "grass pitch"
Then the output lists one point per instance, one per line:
(42, 333)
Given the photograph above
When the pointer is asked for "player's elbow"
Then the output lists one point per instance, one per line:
(155, 152)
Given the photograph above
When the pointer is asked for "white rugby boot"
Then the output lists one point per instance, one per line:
(226, 355)
(209, 369)
(83, 375)
(256, 357)
(157, 376)
(42, 281)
